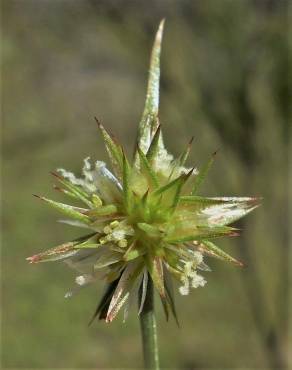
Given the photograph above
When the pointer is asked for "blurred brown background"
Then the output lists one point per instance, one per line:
(226, 81)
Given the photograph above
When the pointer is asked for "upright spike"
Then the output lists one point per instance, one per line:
(154, 146)
(114, 150)
(149, 121)
(202, 174)
(184, 179)
(174, 185)
(147, 168)
(181, 160)
(184, 156)
(126, 180)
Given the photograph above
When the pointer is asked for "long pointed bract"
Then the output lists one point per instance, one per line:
(149, 121)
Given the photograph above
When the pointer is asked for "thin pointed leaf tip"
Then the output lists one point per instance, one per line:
(143, 219)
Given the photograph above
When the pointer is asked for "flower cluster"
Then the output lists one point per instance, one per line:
(145, 219)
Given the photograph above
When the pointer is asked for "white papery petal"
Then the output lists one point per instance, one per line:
(226, 213)
(96, 180)
(185, 289)
(84, 260)
(81, 281)
(84, 279)
(198, 281)
(122, 290)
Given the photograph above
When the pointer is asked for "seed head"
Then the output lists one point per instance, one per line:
(144, 219)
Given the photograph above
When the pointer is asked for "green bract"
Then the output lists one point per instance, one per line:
(145, 218)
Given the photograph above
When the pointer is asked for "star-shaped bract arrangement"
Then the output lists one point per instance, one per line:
(145, 219)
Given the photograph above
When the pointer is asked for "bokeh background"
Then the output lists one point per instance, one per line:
(226, 81)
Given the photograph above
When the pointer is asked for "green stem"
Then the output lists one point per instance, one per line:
(148, 329)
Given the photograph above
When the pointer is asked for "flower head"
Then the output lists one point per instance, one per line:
(144, 219)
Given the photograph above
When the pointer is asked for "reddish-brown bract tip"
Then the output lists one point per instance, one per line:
(215, 153)
(234, 233)
(58, 188)
(255, 200)
(191, 141)
(98, 123)
(33, 259)
(55, 174)
(242, 264)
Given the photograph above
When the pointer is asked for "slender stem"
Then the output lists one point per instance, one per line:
(148, 329)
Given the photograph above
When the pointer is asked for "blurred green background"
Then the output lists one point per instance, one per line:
(225, 81)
